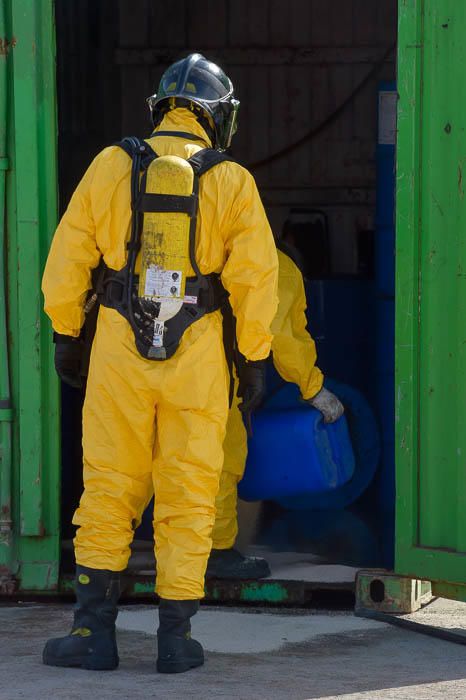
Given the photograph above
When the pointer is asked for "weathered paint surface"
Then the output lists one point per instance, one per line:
(455, 591)
(385, 592)
(272, 592)
(431, 292)
(31, 218)
(6, 412)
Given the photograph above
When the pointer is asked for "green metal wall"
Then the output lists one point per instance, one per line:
(29, 473)
(431, 293)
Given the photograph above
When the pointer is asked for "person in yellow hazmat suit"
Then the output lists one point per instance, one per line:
(178, 225)
(294, 356)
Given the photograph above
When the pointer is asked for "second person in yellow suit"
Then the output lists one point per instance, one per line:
(294, 356)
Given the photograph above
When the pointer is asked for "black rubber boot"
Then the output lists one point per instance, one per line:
(229, 563)
(91, 643)
(177, 652)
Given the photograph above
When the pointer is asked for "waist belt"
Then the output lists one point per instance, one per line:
(202, 297)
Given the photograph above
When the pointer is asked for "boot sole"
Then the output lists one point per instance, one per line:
(81, 662)
(177, 666)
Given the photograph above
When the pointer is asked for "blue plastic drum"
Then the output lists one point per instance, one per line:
(293, 452)
(365, 438)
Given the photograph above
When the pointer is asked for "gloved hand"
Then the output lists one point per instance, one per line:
(328, 404)
(251, 385)
(68, 354)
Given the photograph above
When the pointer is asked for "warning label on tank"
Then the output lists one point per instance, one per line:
(162, 283)
(157, 340)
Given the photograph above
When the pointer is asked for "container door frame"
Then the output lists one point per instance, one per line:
(32, 555)
(445, 567)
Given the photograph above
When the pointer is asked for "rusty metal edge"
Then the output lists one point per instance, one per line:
(267, 592)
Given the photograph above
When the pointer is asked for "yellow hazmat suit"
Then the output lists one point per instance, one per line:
(294, 356)
(158, 427)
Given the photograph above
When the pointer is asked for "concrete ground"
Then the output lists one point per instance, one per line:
(253, 655)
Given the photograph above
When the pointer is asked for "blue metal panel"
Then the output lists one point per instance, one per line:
(385, 292)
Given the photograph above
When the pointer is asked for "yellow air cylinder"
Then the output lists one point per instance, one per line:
(164, 261)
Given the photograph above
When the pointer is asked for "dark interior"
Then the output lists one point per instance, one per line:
(308, 79)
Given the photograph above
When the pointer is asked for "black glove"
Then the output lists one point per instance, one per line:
(251, 385)
(68, 355)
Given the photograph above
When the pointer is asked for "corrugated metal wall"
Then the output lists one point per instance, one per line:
(293, 63)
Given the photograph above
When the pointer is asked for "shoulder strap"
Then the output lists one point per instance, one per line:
(132, 145)
(204, 160)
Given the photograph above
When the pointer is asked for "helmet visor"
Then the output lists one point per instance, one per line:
(200, 84)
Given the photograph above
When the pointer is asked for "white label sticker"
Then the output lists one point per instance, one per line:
(190, 300)
(157, 340)
(388, 101)
(162, 283)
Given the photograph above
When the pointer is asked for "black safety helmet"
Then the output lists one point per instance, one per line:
(203, 87)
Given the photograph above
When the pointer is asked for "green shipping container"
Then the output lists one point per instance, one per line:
(430, 298)
(29, 415)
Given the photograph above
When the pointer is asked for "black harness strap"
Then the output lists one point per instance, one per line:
(180, 204)
(132, 145)
(201, 162)
(192, 236)
(204, 160)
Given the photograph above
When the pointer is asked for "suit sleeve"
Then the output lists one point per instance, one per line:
(293, 348)
(72, 257)
(250, 273)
